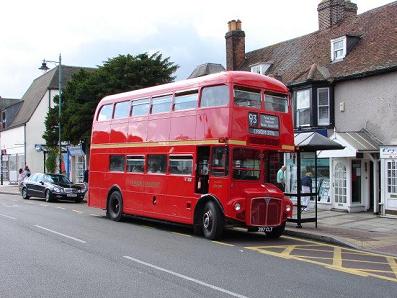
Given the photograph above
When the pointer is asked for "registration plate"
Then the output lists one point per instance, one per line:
(265, 229)
(71, 195)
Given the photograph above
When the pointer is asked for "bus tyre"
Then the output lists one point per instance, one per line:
(25, 193)
(48, 196)
(212, 221)
(115, 206)
(276, 232)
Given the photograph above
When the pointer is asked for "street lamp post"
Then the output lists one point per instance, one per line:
(44, 67)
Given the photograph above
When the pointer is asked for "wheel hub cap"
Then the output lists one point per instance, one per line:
(207, 219)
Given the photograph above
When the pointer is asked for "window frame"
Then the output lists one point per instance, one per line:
(135, 157)
(320, 106)
(182, 157)
(309, 90)
(110, 163)
(178, 95)
(115, 109)
(260, 68)
(146, 99)
(100, 110)
(335, 49)
(227, 87)
(148, 156)
(250, 90)
(161, 97)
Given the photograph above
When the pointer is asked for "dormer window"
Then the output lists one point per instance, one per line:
(260, 68)
(338, 49)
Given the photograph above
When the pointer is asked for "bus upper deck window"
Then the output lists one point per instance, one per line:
(246, 97)
(140, 107)
(161, 104)
(122, 109)
(105, 113)
(276, 102)
(186, 100)
(215, 96)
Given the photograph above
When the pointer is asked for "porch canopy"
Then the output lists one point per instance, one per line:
(308, 143)
(354, 142)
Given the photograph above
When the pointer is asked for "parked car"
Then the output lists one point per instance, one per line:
(52, 187)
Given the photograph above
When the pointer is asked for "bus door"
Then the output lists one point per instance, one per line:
(219, 171)
(202, 170)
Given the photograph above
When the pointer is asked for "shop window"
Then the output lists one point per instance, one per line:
(392, 176)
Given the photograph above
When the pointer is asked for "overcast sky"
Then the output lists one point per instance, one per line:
(89, 32)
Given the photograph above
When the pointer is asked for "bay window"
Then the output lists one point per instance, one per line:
(323, 112)
(303, 107)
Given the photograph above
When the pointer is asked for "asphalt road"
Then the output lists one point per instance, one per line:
(69, 250)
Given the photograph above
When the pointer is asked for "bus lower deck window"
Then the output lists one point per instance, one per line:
(156, 163)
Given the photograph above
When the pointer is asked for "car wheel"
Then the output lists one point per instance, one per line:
(24, 192)
(48, 196)
(276, 232)
(212, 221)
(114, 209)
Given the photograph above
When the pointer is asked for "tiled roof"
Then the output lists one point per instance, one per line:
(37, 90)
(6, 102)
(206, 69)
(308, 57)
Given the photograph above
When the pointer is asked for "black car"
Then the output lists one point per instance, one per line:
(52, 187)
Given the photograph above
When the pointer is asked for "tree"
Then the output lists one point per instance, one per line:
(83, 92)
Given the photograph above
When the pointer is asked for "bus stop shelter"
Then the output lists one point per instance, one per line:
(304, 162)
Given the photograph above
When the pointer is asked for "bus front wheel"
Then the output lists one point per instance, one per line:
(212, 221)
(115, 206)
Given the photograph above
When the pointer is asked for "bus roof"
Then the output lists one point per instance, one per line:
(236, 77)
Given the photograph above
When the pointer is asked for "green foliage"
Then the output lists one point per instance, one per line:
(51, 161)
(83, 92)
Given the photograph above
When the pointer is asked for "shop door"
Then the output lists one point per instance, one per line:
(339, 184)
(391, 184)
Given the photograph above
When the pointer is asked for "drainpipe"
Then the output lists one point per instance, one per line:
(24, 142)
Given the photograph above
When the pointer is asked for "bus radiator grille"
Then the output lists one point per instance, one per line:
(265, 212)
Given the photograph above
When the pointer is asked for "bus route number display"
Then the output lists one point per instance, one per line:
(266, 125)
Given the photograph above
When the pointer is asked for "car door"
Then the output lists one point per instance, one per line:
(40, 185)
(31, 187)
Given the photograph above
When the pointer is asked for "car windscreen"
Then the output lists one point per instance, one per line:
(58, 179)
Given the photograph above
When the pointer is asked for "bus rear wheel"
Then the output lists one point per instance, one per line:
(115, 206)
(212, 221)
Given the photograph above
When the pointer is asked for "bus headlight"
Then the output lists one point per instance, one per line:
(237, 207)
(288, 208)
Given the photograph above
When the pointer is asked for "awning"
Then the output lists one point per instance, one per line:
(313, 141)
(354, 142)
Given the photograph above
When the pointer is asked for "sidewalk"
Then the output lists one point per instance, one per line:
(364, 230)
(9, 189)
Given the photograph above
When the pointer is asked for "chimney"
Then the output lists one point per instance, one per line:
(235, 45)
(332, 12)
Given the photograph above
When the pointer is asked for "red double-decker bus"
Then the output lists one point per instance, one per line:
(203, 152)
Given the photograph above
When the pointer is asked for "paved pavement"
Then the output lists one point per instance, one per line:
(364, 230)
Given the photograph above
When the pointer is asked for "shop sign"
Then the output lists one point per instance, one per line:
(388, 152)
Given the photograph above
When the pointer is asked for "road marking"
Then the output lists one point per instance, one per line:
(186, 277)
(182, 234)
(77, 211)
(337, 259)
(60, 208)
(44, 205)
(55, 232)
(393, 264)
(96, 215)
(222, 243)
(7, 216)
